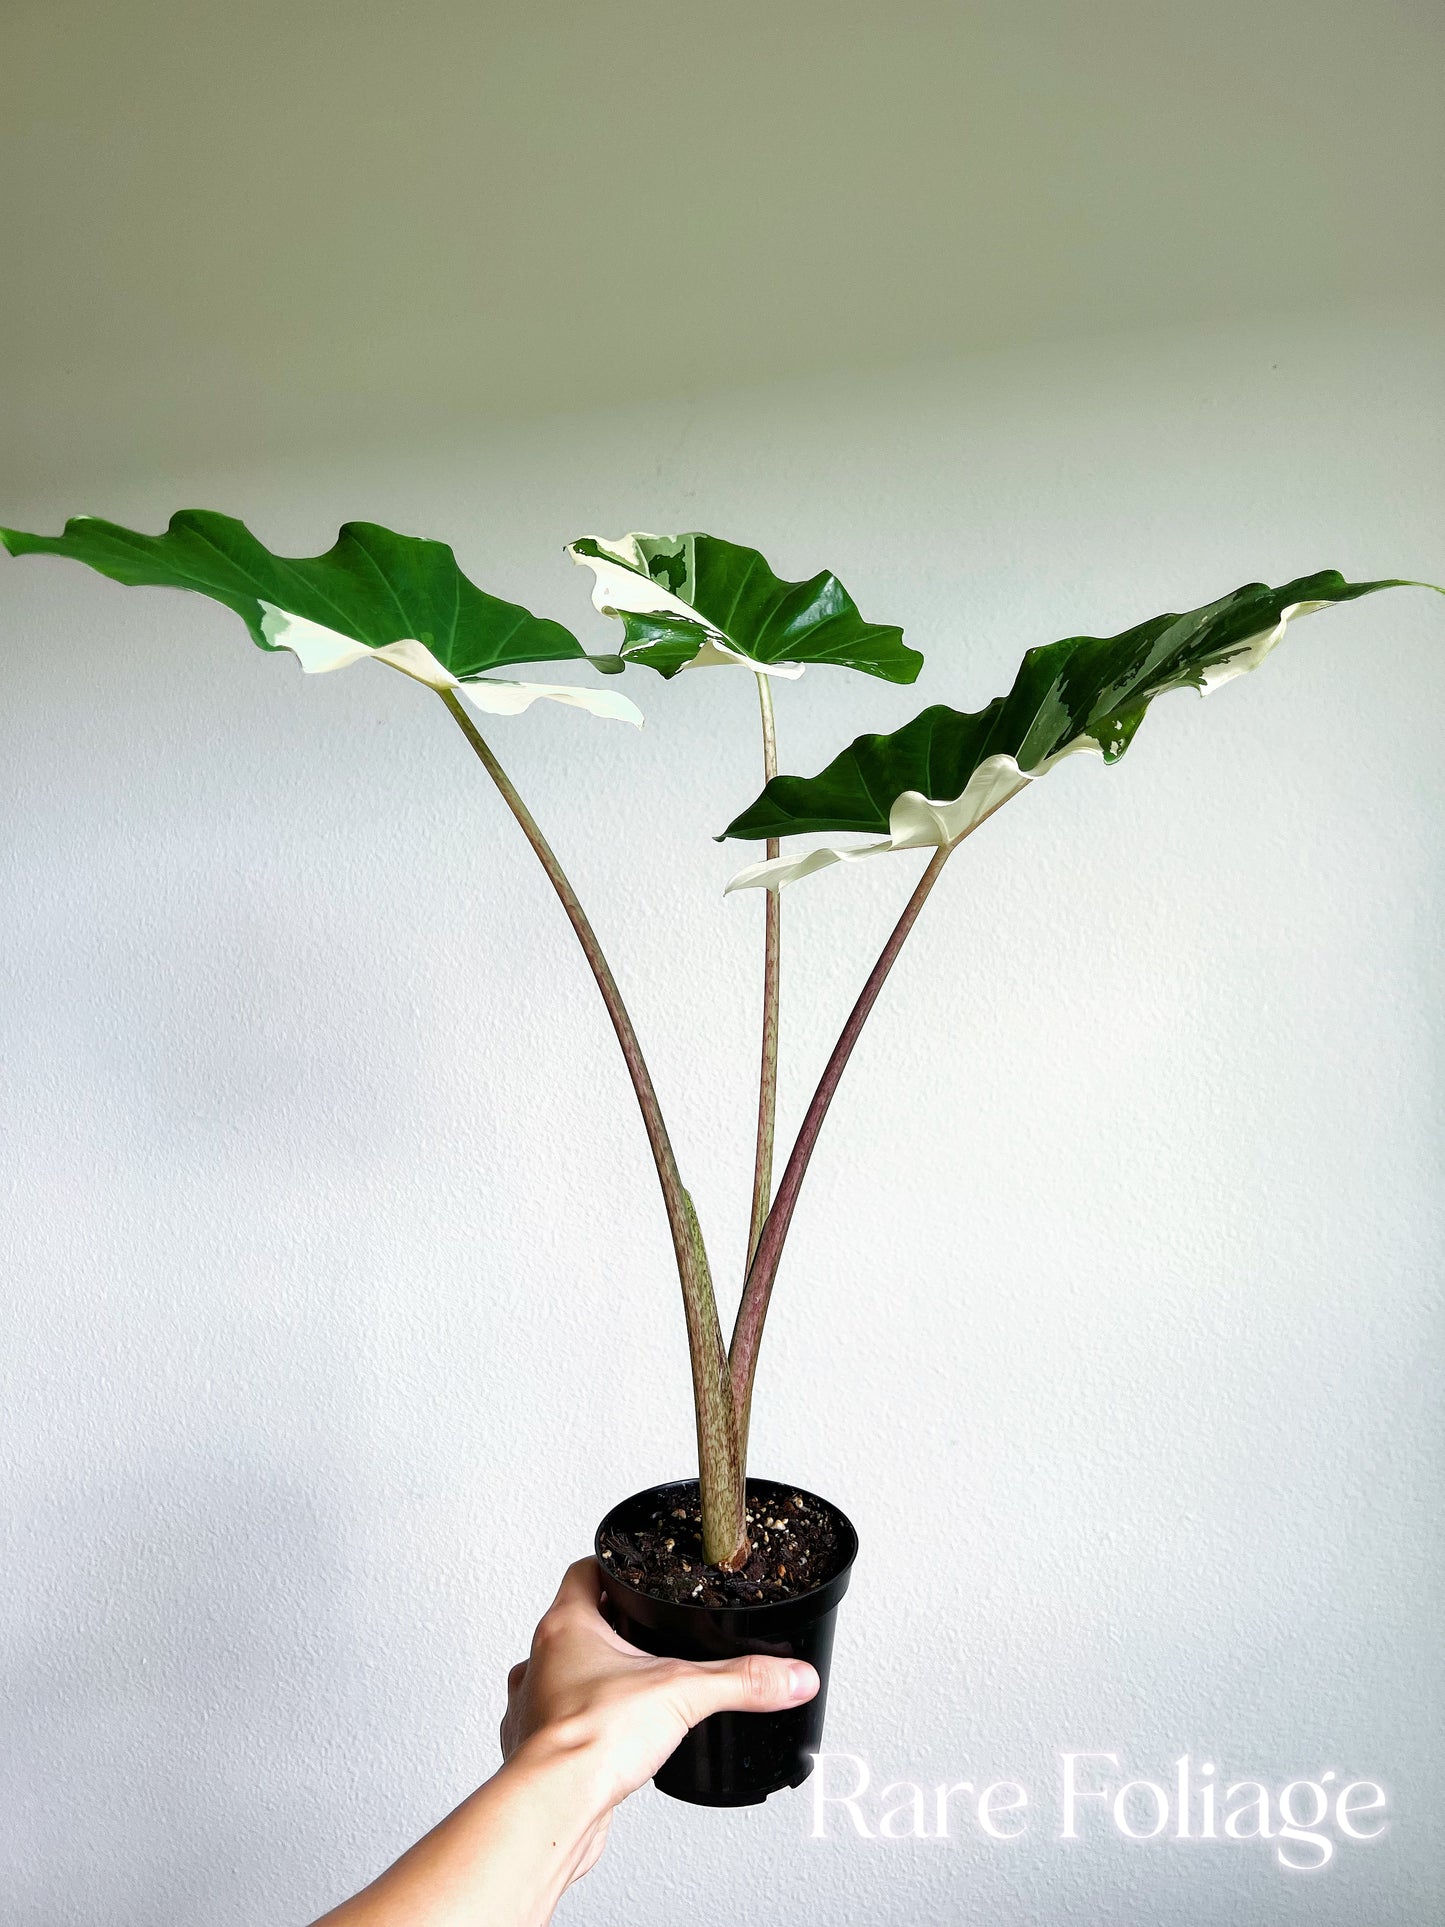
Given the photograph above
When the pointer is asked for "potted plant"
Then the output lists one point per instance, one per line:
(722, 1563)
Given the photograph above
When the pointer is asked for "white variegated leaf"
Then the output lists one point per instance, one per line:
(932, 782)
(399, 598)
(320, 650)
(690, 601)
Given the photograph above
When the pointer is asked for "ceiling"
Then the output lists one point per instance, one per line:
(234, 232)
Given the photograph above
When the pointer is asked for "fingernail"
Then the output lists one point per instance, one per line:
(802, 1681)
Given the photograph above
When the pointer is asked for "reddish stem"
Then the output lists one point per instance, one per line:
(768, 1069)
(753, 1311)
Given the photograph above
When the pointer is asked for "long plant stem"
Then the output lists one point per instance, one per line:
(753, 1310)
(768, 1072)
(719, 1464)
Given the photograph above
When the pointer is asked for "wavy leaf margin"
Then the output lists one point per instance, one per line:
(935, 780)
(693, 600)
(401, 599)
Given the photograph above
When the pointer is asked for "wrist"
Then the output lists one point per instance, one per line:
(564, 1764)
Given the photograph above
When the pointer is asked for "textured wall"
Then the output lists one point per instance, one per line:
(338, 1301)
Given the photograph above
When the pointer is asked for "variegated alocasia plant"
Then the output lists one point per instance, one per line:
(684, 602)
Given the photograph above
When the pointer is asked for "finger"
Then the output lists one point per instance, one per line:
(581, 1586)
(578, 1607)
(752, 1684)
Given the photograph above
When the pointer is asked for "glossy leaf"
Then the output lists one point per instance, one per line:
(938, 777)
(689, 600)
(398, 598)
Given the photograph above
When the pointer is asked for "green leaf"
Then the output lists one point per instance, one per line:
(935, 779)
(693, 599)
(399, 597)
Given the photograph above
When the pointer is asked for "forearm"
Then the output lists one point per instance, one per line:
(503, 1858)
(589, 1720)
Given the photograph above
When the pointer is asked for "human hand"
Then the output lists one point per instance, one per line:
(585, 1694)
(589, 1718)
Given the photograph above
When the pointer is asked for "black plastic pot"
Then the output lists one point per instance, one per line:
(734, 1759)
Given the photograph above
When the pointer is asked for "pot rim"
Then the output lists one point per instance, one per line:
(836, 1584)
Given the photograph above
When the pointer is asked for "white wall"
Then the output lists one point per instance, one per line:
(257, 226)
(338, 1301)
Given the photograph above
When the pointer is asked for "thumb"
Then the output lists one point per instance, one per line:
(752, 1684)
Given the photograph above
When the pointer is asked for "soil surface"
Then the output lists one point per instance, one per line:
(795, 1545)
